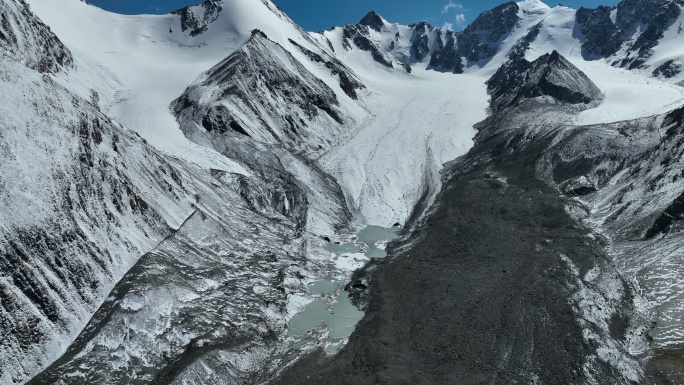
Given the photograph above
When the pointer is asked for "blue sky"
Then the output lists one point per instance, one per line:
(315, 15)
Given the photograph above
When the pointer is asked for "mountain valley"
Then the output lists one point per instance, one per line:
(173, 187)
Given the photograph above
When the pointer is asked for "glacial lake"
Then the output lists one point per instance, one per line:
(334, 311)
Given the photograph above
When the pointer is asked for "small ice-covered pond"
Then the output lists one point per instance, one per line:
(332, 318)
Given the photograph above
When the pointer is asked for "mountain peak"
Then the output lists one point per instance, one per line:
(553, 57)
(373, 20)
(259, 33)
(531, 5)
(551, 75)
(198, 18)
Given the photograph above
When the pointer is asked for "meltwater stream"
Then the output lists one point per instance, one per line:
(332, 318)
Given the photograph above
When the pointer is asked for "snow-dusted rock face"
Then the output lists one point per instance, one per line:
(550, 75)
(601, 34)
(630, 187)
(25, 38)
(478, 42)
(630, 32)
(420, 41)
(263, 107)
(210, 303)
(196, 19)
(82, 200)
(635, 35)
(359, 36)
(523, 45)
(347, 79)
(651, 19)
(445, 50)
(261, 91)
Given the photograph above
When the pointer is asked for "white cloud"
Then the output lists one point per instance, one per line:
(460, 20)
(451, 5)
(448, 26)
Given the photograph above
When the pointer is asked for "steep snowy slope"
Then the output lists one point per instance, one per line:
(82, 199)
(22, 36)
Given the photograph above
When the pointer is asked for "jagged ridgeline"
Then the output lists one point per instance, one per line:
(171, 187)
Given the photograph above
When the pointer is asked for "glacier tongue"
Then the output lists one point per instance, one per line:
(416, 123)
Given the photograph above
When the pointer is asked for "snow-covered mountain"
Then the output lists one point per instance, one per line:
(169, 182)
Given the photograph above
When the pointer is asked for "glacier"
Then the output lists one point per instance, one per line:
(170, 183)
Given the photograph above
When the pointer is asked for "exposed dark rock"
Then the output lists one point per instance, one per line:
(359, 36)
(218, 119)
(358, 285)
(447, 58)
(675, 119)
(349, 86)
(639, 26)
(631, 13)
(602, 37)
(348, 81)
(671, 217)
(373, 20)
(198, 24)
(550, 75)
(578, 187)
(420, 41)
(669, 69)
(658, 19)
(480, 40)
(519, 49)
